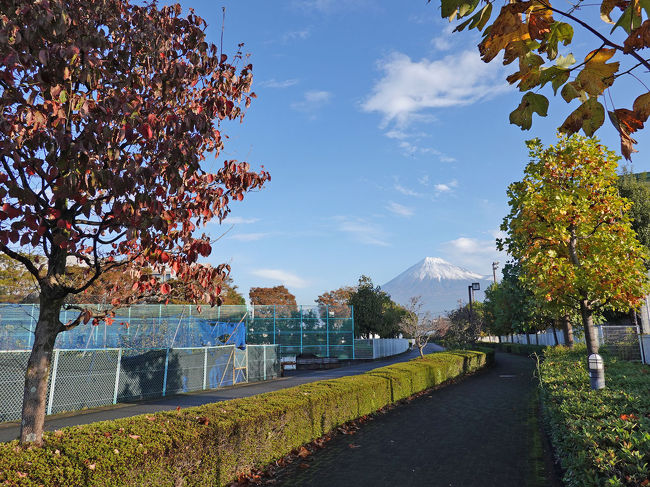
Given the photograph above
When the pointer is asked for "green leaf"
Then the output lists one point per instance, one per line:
(63, 96)
(530, 103)
(589, 117)
(560, 32)
(450, 8)
(569, 92)
(625, 21)
(478, 20)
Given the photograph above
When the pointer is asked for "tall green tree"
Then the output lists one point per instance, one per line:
(534, 32)
(510, 307)
(638, 193)
(571, 231)
(374, 311)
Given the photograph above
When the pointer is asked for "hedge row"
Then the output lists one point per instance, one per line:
(516, 348)
(212, 444)
(602, 438)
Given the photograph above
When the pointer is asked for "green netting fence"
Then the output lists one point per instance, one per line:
(326, 331)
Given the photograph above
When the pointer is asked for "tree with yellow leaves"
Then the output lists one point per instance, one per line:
(571, 232)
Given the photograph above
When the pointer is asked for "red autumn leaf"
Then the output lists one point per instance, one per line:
(145, 130)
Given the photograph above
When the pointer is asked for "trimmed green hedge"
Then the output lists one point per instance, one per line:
(212, 444)
(602, 438)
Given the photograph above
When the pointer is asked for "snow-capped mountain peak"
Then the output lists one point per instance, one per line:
(439, 283)
(437, 268)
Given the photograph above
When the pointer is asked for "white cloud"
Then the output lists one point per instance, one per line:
(273, 83)
(296, 35)
(475, 254)
(409, 142)
(287, 278)
(312, 100)
(249, 237)
(406, 191)
(409, 88)
(445, 187)
(330, 6)
(424, 180)
(398, 209)
(362, 230)
(238, 219)
(444, 41)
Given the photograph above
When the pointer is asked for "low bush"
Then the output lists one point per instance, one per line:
(601, 437)
(212, 444)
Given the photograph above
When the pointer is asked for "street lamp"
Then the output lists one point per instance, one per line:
(475, 286)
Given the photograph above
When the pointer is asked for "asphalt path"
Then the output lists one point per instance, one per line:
(11, 430)
(483, 431)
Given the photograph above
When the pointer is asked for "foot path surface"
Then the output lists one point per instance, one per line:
(11, 431)
(483, 431)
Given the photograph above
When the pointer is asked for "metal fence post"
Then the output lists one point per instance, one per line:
(247, 364)
(205, 367)
(55, 366)
(117, 375)
(31, 327)
(264, 362)
(301, 329)
(164, 390)
(274, 324)
(327, 328)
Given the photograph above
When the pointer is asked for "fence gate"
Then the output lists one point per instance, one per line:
(622, 341)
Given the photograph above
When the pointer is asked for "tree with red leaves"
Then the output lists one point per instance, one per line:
(108, 110)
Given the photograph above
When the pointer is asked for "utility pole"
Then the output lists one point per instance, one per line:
(495, 266)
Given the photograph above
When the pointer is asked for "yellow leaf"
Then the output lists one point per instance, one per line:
(597, 74)
(508, 27)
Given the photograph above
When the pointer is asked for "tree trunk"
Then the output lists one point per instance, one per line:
(567, 330)
(555, 335)
(528, 338)
(37, 373)
(536, 338)
(499, 337)
(591, 338)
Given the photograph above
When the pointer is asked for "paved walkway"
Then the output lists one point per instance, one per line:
(482, 431)
(11, 430)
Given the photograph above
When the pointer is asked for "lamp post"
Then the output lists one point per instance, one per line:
(495, 266)
(475, 286)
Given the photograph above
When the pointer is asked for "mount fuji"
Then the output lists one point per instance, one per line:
(439, 283)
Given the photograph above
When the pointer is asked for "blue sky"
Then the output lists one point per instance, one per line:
(386, 137)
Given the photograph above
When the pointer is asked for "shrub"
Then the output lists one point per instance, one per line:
(213, 443)
(601, 437)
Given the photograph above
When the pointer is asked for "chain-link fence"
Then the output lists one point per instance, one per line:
(99, 377)
(326, 331)
(621, 341)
